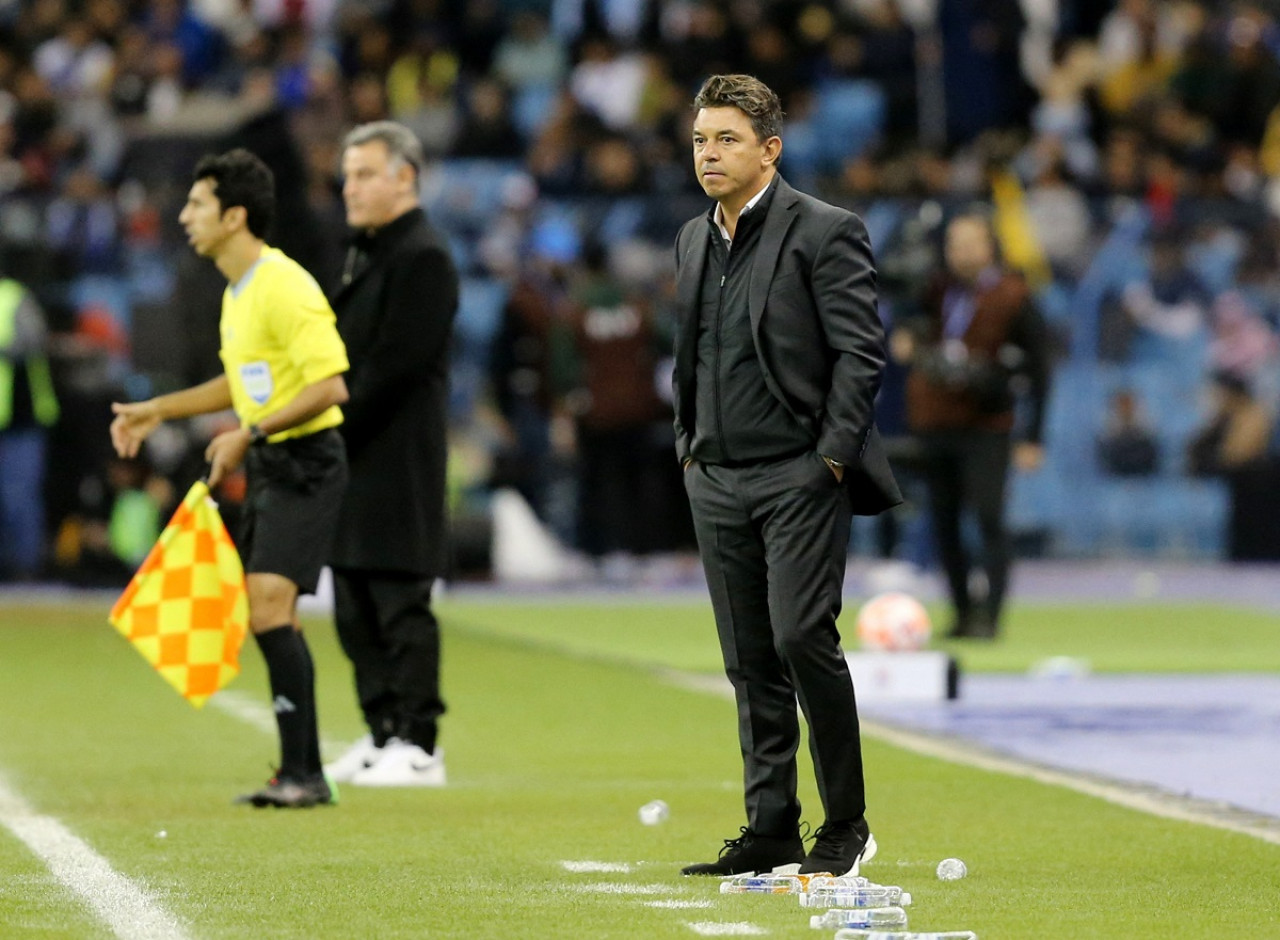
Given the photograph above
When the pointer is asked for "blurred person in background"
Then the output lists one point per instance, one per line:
(615, 402)
(395, 306)
(980, 330)
(28, 408)
(1232, 444)
(1127, 446)
(778, 357)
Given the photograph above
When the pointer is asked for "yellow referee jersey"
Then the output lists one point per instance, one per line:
(279, 335)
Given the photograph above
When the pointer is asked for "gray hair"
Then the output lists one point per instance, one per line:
(401, 143)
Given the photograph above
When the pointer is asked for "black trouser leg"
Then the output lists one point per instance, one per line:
(356, 620)
(986, 470)
(773, 541)
(945, 481)
(412, 635)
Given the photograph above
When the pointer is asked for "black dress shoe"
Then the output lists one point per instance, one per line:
(751, 853)
(840, 847)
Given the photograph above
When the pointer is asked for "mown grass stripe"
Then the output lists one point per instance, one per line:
(125, 907)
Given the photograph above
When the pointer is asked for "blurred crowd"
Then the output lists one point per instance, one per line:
(1129, 151)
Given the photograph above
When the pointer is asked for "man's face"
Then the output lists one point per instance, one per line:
(731, 163)
(969, 248)
(202, 218)
(374, 186)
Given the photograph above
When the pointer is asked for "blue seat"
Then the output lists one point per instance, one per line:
(851, 115)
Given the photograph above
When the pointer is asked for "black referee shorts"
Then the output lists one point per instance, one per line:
(291, 506)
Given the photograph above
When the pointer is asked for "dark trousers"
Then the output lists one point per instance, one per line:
(392, 638)
(617, 500)
(967, 471)
(773, 539)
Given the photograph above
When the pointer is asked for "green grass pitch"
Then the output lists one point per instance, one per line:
(562, 723)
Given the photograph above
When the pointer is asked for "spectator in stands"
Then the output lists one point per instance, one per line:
(1127, 446)
(1170, 302)
(1232, 444)
(980, 332)
(528, 56)
(28, 408)
(487, 128)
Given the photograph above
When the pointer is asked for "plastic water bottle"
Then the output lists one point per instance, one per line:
(763, 884)
(865, 918)
(785, 884)
(856, 934)
(844, 881)
(846, 896)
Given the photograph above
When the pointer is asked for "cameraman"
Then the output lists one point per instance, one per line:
(981, 342)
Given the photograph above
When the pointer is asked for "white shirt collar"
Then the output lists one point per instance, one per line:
(719, 216)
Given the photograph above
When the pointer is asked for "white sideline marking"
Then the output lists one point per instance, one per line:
(590, 867)
(712, 928)
(1140, 797)
(620, 887)
(124, 906)
(677, 905)
(258, 715)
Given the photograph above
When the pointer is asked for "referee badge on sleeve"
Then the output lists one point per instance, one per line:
(256, 379)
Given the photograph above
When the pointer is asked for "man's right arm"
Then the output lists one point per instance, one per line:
(133, 423)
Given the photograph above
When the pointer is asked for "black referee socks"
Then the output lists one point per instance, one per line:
(293, 697)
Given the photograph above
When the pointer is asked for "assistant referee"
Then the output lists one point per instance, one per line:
(283, 374)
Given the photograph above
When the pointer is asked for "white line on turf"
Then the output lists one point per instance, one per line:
(1140, 797)
(589, 867)
(124, 906)
(676, 904)
(712, 928)
(259, 715)
(621, 887)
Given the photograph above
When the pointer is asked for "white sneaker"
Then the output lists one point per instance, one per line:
(359, 756)
(403, 764)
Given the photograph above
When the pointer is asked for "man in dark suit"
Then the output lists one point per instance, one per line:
(779, 353)
(395, 309)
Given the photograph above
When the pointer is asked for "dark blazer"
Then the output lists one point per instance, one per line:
(812, 299)
(395, 313)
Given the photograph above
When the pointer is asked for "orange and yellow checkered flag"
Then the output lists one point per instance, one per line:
(186, 609)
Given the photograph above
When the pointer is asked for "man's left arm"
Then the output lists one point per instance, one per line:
(844, 289)
(419, 304)
(1030, 334)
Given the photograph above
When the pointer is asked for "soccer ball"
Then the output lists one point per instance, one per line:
(893, 621)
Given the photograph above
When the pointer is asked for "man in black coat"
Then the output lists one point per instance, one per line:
(395, 308)
(779, 354)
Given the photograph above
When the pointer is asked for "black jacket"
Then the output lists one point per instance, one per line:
(395, 312)
(812, 304)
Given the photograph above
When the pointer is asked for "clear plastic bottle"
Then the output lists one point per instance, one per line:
(836, 895)
(855, 934)
(865, 918)
(844, 881)
(840, 917)
(764, 884)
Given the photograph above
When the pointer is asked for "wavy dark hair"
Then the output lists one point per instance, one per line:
(749, 95)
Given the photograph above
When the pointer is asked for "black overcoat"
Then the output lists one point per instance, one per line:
(395, 307)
